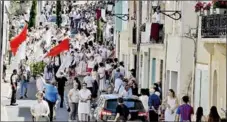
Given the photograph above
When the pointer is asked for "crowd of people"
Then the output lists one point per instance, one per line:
(88, 69)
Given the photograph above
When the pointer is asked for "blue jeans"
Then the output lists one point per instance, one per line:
(23, 85)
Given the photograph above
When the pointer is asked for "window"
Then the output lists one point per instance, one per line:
(130, 103)
(135, 62)
(161, 70)
(134, 32)
(157, 33)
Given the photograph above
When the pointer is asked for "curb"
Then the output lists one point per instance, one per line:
(4, 116)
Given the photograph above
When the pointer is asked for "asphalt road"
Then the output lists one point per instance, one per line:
(22, 111)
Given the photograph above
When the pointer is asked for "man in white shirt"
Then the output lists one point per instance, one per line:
(118, 84)
(89, 81)
(40, 110)
(40, 83)
(122, 69)
(42, 18)
(76, 19)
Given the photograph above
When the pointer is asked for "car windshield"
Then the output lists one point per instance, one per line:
(130, 103)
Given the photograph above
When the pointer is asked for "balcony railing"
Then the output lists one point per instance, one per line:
(214, 26)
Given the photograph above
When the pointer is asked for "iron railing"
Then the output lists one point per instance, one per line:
(214, 26)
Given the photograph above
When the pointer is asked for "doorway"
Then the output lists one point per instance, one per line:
(215, 88)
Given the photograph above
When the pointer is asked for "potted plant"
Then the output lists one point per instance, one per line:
(206, 8)
(199, 8)
(220, 7)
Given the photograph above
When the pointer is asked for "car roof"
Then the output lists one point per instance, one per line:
(116, 96)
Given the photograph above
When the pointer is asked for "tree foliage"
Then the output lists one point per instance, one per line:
(33, 13)
(58, 13)
(37, 68)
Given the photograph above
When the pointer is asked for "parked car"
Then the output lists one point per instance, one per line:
(105, 108)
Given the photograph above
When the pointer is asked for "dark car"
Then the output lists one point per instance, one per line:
(105, 109)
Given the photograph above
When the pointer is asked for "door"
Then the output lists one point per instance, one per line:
(205, 92)
(197, 88)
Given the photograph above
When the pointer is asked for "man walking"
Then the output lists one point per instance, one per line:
(154, 103)
(13, 80)
(184, 111)
(51, 96)
(61, 79)
(40, 110)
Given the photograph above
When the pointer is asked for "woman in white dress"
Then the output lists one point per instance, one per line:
(171, 104)
(84, 103)
(102, 77)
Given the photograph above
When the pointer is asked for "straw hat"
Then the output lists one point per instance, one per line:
(39, 94)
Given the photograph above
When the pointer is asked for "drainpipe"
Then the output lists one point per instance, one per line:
(1, 36)
(164, 89)
(138, 47)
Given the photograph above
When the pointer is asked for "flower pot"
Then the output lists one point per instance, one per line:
(206, 12)
(220, 10)
(211, 11)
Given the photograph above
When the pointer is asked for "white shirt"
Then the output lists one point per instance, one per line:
(91, 64)
(89, 81)
(118, 83)
(40, 83)
(42, 18)
(122, 70)
(40, 109)
(98, 58)
(74, 98)
(144, 99)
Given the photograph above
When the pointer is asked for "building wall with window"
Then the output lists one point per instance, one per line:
(152, 53)
(179, 50)
(211, 64)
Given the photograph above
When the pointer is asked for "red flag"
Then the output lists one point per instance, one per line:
(19, 39)
(64, 45)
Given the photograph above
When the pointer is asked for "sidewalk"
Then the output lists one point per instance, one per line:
(4, 116)
(4, 95)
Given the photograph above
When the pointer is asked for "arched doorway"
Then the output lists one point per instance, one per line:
(215, 88)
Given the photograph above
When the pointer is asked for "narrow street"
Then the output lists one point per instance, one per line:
(114, 60)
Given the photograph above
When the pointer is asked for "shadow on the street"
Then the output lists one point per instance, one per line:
(25, 113)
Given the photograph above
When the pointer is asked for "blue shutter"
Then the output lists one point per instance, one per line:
(153, 70)
(118, 10)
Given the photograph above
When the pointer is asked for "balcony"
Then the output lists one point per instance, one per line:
(214, 26)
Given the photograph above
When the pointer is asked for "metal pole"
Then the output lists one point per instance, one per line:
(1, 36)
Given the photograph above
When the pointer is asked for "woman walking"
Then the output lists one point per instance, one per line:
(73, 101)
(199, 115)
(102, 77)
(171, 103)
(214, 116)
(84, 103)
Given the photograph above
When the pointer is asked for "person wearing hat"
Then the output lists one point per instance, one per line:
(40, 110)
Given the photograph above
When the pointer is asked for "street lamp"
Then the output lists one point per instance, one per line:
(110, 5)
(175, 15)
